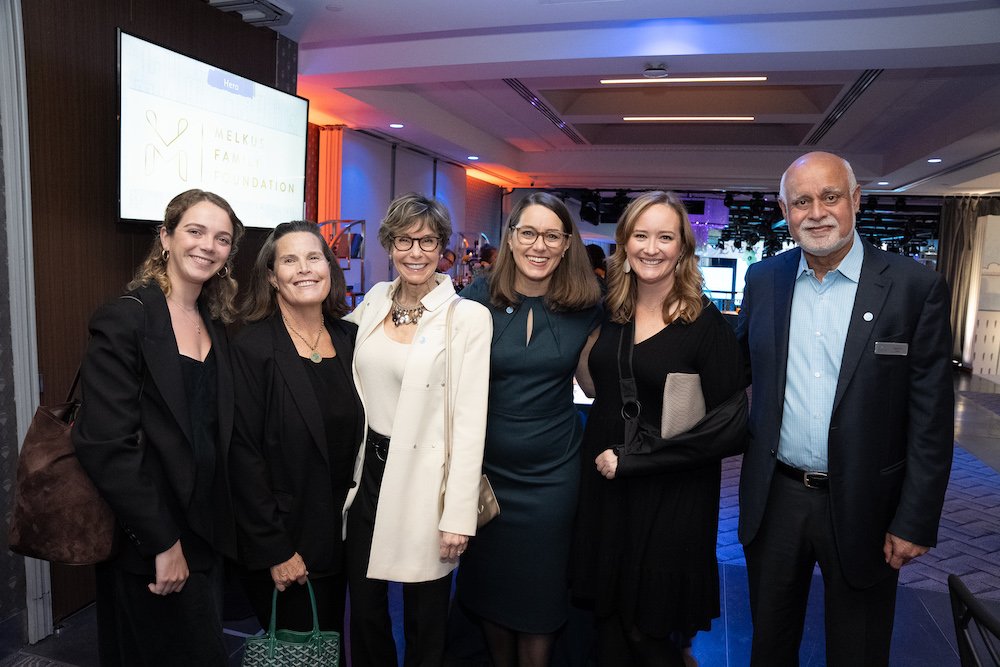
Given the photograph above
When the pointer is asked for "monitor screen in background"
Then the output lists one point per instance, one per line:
(719, 279)
(185, 124)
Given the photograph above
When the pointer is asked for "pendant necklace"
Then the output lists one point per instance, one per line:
(401, 315)
(185, 312)
(314, 355)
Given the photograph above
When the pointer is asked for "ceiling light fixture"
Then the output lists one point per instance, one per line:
(473, 157)
(688, 119)
(934, 160)
(396, 126)
(657, 71)
(687, 79)
(883, 183)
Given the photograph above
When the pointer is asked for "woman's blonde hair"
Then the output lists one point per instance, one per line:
(220, 290)
(573, 285)
(687, 288)
(262, 299)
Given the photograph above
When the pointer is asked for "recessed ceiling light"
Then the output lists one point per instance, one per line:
(688, 79)
(473, 157)
(688, 119)
(934, 160)
(657, 71)
(883, 183)
(396, 126)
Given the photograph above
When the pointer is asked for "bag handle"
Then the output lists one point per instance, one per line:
(630, 394)
(272, 631)
(448, 417)
(72, 388)
(76, 378)
(631, 407)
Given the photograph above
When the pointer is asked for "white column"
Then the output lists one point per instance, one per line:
(21, 274)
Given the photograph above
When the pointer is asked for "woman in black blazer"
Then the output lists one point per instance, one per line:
(299, 423)
(153, 433)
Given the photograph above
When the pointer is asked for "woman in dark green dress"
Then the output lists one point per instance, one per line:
(545, 304)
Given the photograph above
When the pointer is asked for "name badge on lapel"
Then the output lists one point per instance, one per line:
(892, 349)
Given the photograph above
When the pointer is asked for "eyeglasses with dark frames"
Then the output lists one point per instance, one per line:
(426, 243)
(528, 236)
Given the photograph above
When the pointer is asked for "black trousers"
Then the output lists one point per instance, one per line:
(425, 604)
(294, 610)
(797, 533)
(136, 628)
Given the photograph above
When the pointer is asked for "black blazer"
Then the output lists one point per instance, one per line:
(133, 433)
(892, 426)
(279, 465)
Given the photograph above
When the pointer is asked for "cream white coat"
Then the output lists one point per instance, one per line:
(409, 517)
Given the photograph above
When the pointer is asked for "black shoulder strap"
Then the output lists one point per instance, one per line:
(631, 408)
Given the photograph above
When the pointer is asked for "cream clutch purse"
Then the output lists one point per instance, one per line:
(683, 404)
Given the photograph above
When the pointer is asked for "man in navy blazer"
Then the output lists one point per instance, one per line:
(851, 422)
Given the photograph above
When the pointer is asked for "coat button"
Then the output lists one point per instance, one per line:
(774, 452)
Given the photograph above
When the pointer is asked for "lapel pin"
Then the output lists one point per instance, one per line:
(510, 309)
(868, 317)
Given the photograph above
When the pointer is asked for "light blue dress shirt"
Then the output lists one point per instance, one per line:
(821, 314)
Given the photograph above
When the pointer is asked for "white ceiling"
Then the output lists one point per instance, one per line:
(888, 84)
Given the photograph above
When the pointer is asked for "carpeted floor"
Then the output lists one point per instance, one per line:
(989, 401)
(27, 660)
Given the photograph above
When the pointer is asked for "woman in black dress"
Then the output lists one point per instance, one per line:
(153, 434)
(644, 550)
(298, 427)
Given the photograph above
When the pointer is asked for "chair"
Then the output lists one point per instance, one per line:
(969, 613)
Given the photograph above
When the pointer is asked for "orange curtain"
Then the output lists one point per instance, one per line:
(331, 153)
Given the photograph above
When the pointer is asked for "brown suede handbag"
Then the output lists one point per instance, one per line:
(58, 514)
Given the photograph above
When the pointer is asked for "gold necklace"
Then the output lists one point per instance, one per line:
(185, 311)
(314, 355)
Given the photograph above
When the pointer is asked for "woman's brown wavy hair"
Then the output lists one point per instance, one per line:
(219, 291)
(687, 288)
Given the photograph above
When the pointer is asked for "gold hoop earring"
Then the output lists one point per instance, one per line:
(164, 255)
(224, 273)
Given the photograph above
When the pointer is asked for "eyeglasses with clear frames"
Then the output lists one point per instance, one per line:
(425, 243)
(528, 235)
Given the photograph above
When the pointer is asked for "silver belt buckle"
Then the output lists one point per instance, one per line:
(813, 480)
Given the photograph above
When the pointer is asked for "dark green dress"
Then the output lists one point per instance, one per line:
(514, 572)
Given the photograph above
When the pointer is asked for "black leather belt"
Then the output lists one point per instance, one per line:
(379, 444)
(810, 479)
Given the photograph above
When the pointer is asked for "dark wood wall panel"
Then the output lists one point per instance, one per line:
(82, 255)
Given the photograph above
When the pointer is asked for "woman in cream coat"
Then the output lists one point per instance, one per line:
(404, 525)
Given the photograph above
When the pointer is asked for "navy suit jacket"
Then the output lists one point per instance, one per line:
(892, 425)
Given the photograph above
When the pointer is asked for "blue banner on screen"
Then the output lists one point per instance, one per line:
(185, 124)
(230, 83)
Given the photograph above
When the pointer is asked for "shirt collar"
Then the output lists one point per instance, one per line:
(849, 267)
